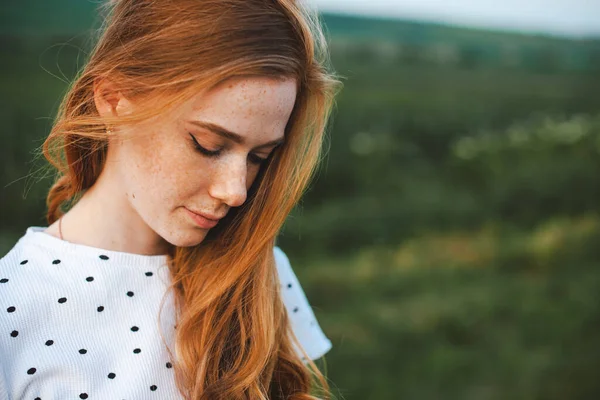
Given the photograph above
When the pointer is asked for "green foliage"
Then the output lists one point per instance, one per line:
(492, 314)
(535, 168)
(456, 167)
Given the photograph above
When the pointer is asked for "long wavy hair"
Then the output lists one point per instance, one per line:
(233, 338)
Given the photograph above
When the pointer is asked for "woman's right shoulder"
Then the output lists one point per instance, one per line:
(21, 280)
(24, 280)
(13, 253)
(11, 262)
(18, 266)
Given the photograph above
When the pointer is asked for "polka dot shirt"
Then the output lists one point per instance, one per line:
(78, 322)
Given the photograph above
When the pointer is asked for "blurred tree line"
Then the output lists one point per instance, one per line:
(401, 121)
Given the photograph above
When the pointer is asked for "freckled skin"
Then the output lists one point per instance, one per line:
(153, 171)
(163, 172)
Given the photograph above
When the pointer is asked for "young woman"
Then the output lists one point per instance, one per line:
(181, 147)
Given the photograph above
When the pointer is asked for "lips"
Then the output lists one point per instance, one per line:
(203, 220)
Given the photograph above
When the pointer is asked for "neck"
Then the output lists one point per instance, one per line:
(104, 218)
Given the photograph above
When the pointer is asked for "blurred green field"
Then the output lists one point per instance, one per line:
(492, 314)
(450, 244)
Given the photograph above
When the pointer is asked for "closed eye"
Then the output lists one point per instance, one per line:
(203, 150)
(254, 159)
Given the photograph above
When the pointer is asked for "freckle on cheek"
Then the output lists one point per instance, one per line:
(133, 195)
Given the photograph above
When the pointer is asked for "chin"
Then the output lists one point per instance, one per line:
(186, 237)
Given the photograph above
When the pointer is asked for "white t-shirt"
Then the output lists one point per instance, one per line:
(78, 322)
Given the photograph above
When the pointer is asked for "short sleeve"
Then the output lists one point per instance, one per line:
(4, 391)
(3, 385)
(302, 318)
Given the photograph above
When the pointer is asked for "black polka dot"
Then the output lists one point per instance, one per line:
(11, 309)
(3, 280)
(137, 351)
(289, 285)
(49, 342)
(135, 329)
(149, 273)
(89, 278)
(153, 388)
(83, 396)
(37, 398)
(24, 262)
(82, 351)
(295, 309)
(56, 262)
(62, 300)
(130, 294)
(169, 365)
(103, 257)
(111, 375)
(100, 308)
(14, 333)
(31, 371)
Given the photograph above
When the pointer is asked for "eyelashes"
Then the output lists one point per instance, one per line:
(254, 159)
(204, 150)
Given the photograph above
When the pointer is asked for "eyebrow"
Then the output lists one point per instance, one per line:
(234, 137)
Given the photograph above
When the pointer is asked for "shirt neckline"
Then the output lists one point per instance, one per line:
(36, 234)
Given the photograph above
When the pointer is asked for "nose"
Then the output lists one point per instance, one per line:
(228, 183)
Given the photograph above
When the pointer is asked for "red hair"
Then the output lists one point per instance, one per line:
(233, 337)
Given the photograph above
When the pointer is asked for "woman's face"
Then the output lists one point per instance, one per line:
(201, 158)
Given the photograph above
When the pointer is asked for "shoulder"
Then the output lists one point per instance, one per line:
(15, 285)
(12, 260)
(282, 262)
(23, 262)
(288, 279)
(302, 318)
(28, 274)
(21, 274)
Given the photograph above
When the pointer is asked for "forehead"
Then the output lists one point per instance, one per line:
(257, 108)
(247, 98)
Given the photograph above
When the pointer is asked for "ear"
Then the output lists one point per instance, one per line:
(109, 100)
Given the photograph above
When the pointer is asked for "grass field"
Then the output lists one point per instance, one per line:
(484, 315)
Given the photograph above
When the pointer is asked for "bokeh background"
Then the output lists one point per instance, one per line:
(450, 245)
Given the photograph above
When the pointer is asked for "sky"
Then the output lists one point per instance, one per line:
(575, 18)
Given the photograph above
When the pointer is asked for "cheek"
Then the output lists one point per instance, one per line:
(161, 174)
